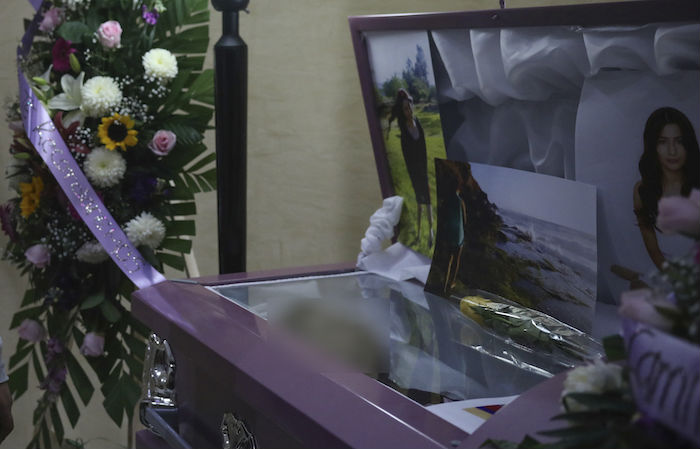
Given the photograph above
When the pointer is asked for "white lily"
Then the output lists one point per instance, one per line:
(46, 76)
(71, 99)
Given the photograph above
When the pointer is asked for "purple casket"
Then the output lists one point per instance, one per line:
(230, 358)
(331, 357)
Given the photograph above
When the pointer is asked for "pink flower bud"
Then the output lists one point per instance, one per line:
(31, 330)
(93, 345)
(163, 141)
(39, 255)
(110, 34)
(640, 305)
(52, 19)
(679, 214)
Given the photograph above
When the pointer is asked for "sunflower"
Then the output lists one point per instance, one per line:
(116, 131)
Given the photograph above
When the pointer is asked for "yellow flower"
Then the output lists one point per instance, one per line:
(116, 131)
(31, 193)
(471, 305)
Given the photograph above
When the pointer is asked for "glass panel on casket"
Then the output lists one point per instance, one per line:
(415, 342)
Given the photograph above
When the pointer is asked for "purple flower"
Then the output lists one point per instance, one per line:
(66, 294)
(6, 219)
(54, 347)
(61, 55)
(39, 255)
(150, 16)
(142, 187)
(31, 330)
(93, 345)
(641, 305)
(52, 18)
(54, 380)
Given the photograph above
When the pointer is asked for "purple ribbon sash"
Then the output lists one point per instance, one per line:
(665, 377)
(55, 153)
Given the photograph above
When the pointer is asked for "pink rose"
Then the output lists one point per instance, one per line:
(163, 141)
(93, 345)
(679, 214)
(39, 255)
(31, 330)
(110, 34)
(52, 19)
(640, 305)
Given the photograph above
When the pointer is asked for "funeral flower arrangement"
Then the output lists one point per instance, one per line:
(123, 84)
(647, 394)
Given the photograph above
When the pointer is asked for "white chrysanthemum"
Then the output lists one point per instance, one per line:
(104, 168)
(160, 63)
(594, 378)
(145, 229)
(100, 95)
(91, 252)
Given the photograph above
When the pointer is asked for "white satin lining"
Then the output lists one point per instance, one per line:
(518, 89)
(536, 63)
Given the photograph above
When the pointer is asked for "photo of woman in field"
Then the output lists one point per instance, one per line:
(409, 117)
(415, 156)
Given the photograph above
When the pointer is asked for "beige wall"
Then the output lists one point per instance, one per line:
(311, 177)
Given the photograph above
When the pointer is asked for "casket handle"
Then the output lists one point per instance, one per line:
(158, 407)
(235, 433)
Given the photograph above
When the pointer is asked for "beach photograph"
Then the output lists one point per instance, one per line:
(528, 238)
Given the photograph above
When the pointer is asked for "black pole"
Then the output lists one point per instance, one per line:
(231, 87)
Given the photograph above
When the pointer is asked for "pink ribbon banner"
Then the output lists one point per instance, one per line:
(58, 158)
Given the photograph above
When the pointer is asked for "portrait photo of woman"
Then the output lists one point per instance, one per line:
(669, 166)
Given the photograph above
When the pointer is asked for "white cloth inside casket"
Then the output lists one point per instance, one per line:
(515, 97)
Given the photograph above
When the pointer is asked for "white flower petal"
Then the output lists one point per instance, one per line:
(47, 74)
(91, 252)
(100, 94)
(160, 64)
(104, 168)
(145, 229)
(63, 102)
(72, 86)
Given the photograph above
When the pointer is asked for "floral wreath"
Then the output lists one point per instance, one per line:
(124, 86)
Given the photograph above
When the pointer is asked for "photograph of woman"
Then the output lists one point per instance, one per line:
(455, 220)
(669, 166)
(415, 156)
(408, 118)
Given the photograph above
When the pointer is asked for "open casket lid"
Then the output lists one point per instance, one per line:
(613, 19)
(563, 91)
